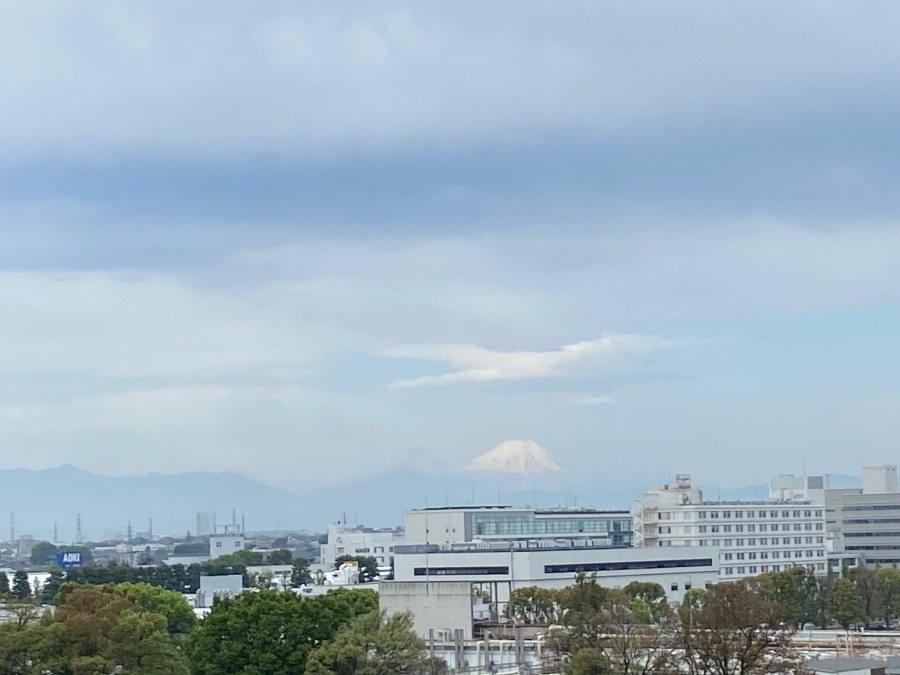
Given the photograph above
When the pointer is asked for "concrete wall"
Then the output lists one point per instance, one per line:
(434, 605)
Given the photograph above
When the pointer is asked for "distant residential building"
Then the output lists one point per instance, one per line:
(360, 542)
(218, 586)
(864, 523)
(206, 523)
(464, 524)
(226, 540)
(752, 537)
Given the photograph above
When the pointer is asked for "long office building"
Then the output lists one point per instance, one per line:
(752, 537)
(438, 584)
(464, 524)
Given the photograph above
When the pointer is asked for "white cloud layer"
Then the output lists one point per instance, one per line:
(262, 363)
(477, 364)
(236, 79)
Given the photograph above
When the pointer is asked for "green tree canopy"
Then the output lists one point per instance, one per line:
(271, 633)
(281, 556)
(43, 553)
(21, 589)
(845, 603)
(375, 644)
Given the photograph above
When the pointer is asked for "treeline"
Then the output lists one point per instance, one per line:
(147, 630)
(726, 629)
(865, 596)
(180, 578)
(744, 626)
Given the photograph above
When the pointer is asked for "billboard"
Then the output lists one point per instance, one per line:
(68, 559)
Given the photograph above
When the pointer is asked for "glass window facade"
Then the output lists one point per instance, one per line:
(524, 525)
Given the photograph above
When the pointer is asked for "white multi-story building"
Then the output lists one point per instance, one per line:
(226, 540)
(752, 537)
(360, 542)
(863, 524)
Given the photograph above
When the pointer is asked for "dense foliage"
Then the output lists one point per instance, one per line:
(271, 633)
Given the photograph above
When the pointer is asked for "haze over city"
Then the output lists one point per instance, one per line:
(314, 246)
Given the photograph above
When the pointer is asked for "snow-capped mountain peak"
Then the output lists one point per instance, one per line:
(525, 457)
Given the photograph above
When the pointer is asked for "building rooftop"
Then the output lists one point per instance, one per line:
(843, 664)
(573, 510)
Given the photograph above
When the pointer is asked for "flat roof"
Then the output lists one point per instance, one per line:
(573, 510)
(844, 663)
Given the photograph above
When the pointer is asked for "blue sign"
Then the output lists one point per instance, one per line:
(68, 559)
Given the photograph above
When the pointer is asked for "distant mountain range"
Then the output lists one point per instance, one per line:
(107, 504)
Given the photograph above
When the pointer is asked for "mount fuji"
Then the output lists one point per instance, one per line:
(521, 457)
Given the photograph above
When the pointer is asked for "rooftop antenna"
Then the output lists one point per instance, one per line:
(78, 537)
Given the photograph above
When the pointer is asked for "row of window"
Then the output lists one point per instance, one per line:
(488, 524)
(764, 555)
(785, 513)
(759, 569)
(761, 541)
(785, 527)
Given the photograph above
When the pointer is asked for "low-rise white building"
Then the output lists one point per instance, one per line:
(359, 542)
(450, 589)
(227, 539)
(752, 537)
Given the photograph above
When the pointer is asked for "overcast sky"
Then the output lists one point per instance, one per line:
(313, 242)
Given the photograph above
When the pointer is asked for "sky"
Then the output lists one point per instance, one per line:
(313, 243)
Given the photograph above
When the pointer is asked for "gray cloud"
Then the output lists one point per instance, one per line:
(227, 79)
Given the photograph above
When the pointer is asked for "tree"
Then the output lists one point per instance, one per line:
(300, 574)
(52, 586)
(534, 605)
(583, 606)
(737, 631)
(864, 579)
(172, 606)
(43, 553)
(887, 593)
(375, 644)
(269, 632)
(799, 592)
(845, 603)
(588, 661)
(21, 589)
(694, 599)
(281, 556)
(648, 598)
(632, 642)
